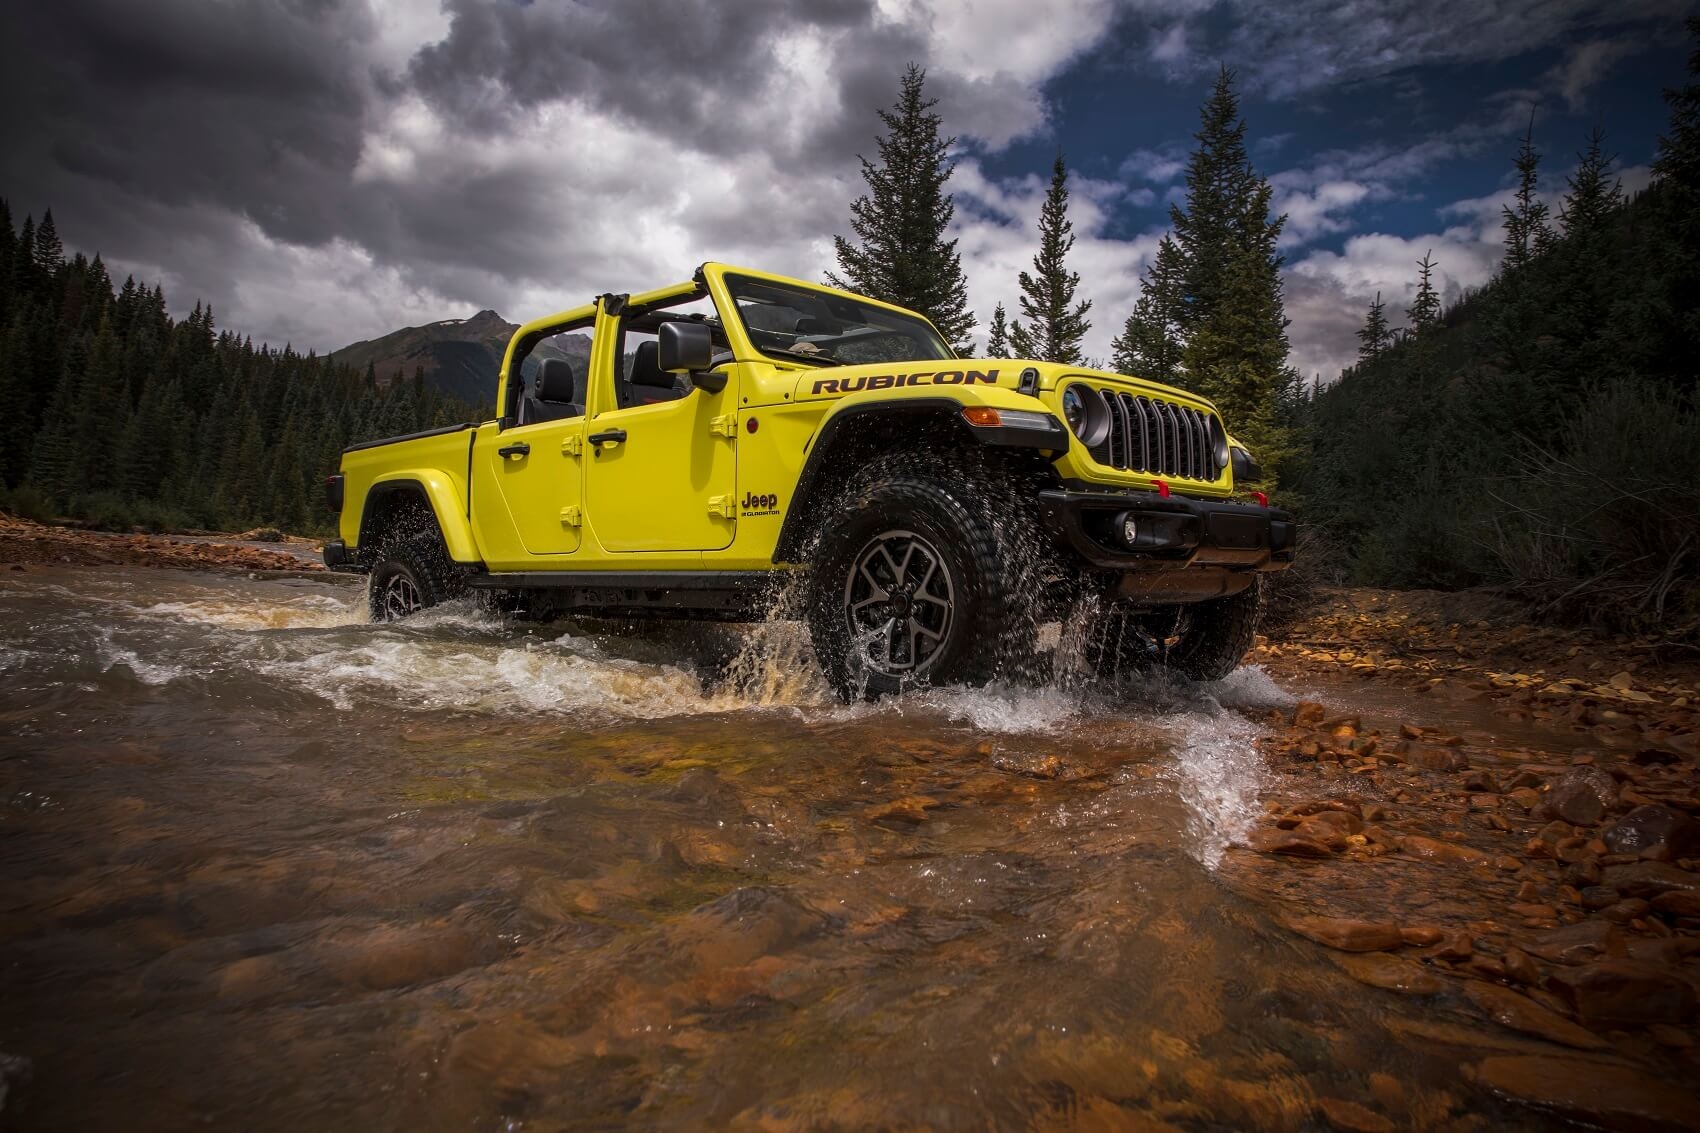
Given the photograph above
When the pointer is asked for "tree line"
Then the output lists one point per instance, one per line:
(115, 413)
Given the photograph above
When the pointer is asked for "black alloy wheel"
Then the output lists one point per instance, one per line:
(899, 604)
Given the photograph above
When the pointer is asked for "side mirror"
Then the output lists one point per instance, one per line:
(684, 347)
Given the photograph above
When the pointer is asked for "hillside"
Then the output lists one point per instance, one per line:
(459, 357)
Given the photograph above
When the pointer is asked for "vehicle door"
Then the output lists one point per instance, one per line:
(535, 464)
(661, 458)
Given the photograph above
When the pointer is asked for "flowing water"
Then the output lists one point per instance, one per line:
(266, 866)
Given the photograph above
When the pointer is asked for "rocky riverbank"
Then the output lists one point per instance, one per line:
(23, 542)
(1525, 854)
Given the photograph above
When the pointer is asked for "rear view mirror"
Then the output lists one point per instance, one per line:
(684, 347)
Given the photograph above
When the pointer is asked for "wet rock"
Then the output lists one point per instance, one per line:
(1649, 879)
(1520, 1013)
(1480, 782)
(1429, 849)
(1350, 1117)
(1582, 873)
(1580, 798)
(1654, 832)
(399, 956)
(1574, 944)
(1436, 758)
(1378, 969)
(1343, 822)
(1598, 897)
(1348, 935)
(1623, 912)
(1678, 903)
(1420, 936)
(1520, 967)
(1625, 991)
(1596, 1093)
(748, 923)
(911, 809)
(1289, 842)
(1309, 714)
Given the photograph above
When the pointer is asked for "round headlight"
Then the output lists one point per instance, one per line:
(1074, 408)
(1087, 415)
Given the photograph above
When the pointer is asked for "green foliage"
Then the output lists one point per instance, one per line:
(1210, 315)
(1541, 432)
(997, 340)
(1374, 336)
(1055, 323)
(113, 413)
(902, 256)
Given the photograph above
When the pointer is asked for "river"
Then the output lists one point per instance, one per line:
(267, 866)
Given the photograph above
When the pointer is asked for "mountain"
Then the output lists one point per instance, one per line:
(460, 357)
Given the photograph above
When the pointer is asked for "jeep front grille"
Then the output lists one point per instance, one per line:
(1157, 437)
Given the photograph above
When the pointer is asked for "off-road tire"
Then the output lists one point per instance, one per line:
(975, 530)
(1122, 642)
(1215, 636)
(411, 574)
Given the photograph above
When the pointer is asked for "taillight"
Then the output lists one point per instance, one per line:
(333, 492)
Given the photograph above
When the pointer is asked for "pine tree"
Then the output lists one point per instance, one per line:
(1210, 316)
(1055, 323)
(901, 254)
(1591, 202)
(1527, 233)
(997, 341)
(1150, 344)
(49, 252)
(1423, 315)
(1678, 161)
(1374, 336)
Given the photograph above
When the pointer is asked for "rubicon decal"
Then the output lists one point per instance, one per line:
(764, 503)
(919, 378)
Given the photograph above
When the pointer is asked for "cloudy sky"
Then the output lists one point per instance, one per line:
(327, 170)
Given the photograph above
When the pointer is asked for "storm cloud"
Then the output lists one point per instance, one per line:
(326, 170)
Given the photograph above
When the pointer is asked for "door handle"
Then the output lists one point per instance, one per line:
(518, 448)
(612, 436)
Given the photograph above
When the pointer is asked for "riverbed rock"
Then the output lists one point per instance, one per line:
(1308, 714)
(1625, 991)
(1580, 798)
(1655, 832)
(1391, 973)
(1348, 935)
(1597, 1093)
(1430, 849)
(1576, 943)
(1521, 1013)
(1436, 758)
(1288, 842)
(1649, 879)
(1678, 903)
(1350, 1117)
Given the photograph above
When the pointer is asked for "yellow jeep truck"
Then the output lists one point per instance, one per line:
(695, 450)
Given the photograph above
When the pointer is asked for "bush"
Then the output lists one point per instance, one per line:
(103, 511)
(28, 502)
(1607, 523)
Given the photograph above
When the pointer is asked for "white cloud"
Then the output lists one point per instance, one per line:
(1586, 64)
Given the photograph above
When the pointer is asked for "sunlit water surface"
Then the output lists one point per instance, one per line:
(270, 867)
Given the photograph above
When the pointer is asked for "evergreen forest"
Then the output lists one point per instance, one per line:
(118, 415)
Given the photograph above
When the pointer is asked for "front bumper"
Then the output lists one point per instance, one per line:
(1174, 531)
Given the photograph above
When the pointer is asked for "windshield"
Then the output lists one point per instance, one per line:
(798, 324)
